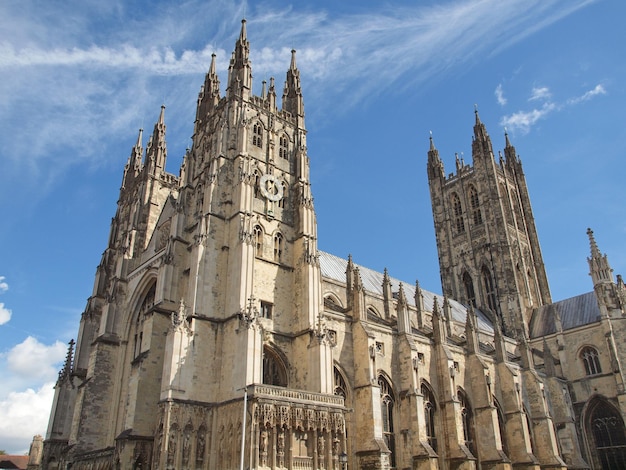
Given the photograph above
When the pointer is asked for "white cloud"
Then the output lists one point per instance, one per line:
(32, 361)
(500, 95)
(5, 314)
(3, 285)
(540, 93)
(524, 120)
(597, 90)
(24, 414)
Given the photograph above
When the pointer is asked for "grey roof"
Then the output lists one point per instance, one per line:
(573, 312)
(334, 267)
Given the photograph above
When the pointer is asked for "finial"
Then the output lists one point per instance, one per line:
(264, 90)
(162, 115)
(243, 34)
(293, 59)
(212, 67)
(595, 251)
(507, 142)
(139, 138)
(432, 143)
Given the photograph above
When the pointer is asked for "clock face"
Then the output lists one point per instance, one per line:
(271, 189)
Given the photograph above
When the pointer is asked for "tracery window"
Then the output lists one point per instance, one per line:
(475, 205)
(386, 403)
(340, 385)
(283, 147)
(467, 419)
(257, 135)
(468, 283)
(258, 240)
(590, 358)
(278, 246)
(430, 409)
(146, 303)
(609, 436)
(458, 213)
(490, 290)
(274, 372)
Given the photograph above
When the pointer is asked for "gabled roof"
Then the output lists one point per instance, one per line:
(334, 267)
(573, 312)
(13, 462)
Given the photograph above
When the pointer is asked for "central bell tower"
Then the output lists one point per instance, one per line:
(489, 253)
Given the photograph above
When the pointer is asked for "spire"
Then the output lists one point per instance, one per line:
(156, 152)
(210, 92)
(66, 372)
(481, 146)
(599, 268)
(439, 327)
(509, 151)
(292, 95)
(240, 70)
(387, 294)
(435, 165)
(402, 309)
(271, 94)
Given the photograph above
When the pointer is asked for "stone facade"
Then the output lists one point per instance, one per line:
(218, 336)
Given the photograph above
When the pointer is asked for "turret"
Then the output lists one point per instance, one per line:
(481, 145)
(210, 93)
(292, 95)
(240, 69)
(435, 165)
(156, 152)
(599, 268)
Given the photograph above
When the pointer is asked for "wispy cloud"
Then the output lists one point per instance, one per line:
(3, 285)
(597, 90)
(499, 92)
(523, 121)
(69, 88)
(540, 93)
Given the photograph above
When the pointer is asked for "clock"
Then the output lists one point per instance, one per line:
(271, 188)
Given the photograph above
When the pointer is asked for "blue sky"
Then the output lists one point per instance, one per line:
(78, 79)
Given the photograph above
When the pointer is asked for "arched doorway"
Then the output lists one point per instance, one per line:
(606, 435)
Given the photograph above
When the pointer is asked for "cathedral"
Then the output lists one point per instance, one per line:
(218, 336)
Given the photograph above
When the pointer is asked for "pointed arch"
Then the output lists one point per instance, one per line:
(274, 368)
(143, 302)
(501, 428)
(387, 402)
(490, 289)
(457, 210)
(258, 240)
(477, 217)
(278, 246)
(283, 146)
(430, 414)
(591, 360)
(467, 421)
(257, 134)
(340, 386)
(605, 434)
(470, 293)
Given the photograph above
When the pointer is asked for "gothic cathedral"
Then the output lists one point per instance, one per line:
(218, 336)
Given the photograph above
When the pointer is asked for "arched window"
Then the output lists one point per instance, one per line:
(605, 424)
(490, 291)
(475, 205)
(458, 213)
(340, 385)
(257, 135)
(146, 303)
(501, 428)
(258, 240)
(386, 404)
(430, 409)
(283, 148)
(591, 360)
(467, 419)
(278, 246)
(274, 372)
(469, 289)
(281, 201)
(257, 184)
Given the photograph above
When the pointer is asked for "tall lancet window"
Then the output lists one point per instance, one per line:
(283, 148)
(274, 371)
(475, 205)
(257, 135)
(490, 290)
(258, 240)
(467, 420)
(468, 283)
(458, 213)
(386, 404)
(278, 247)
(591, 361)
(430, 409)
